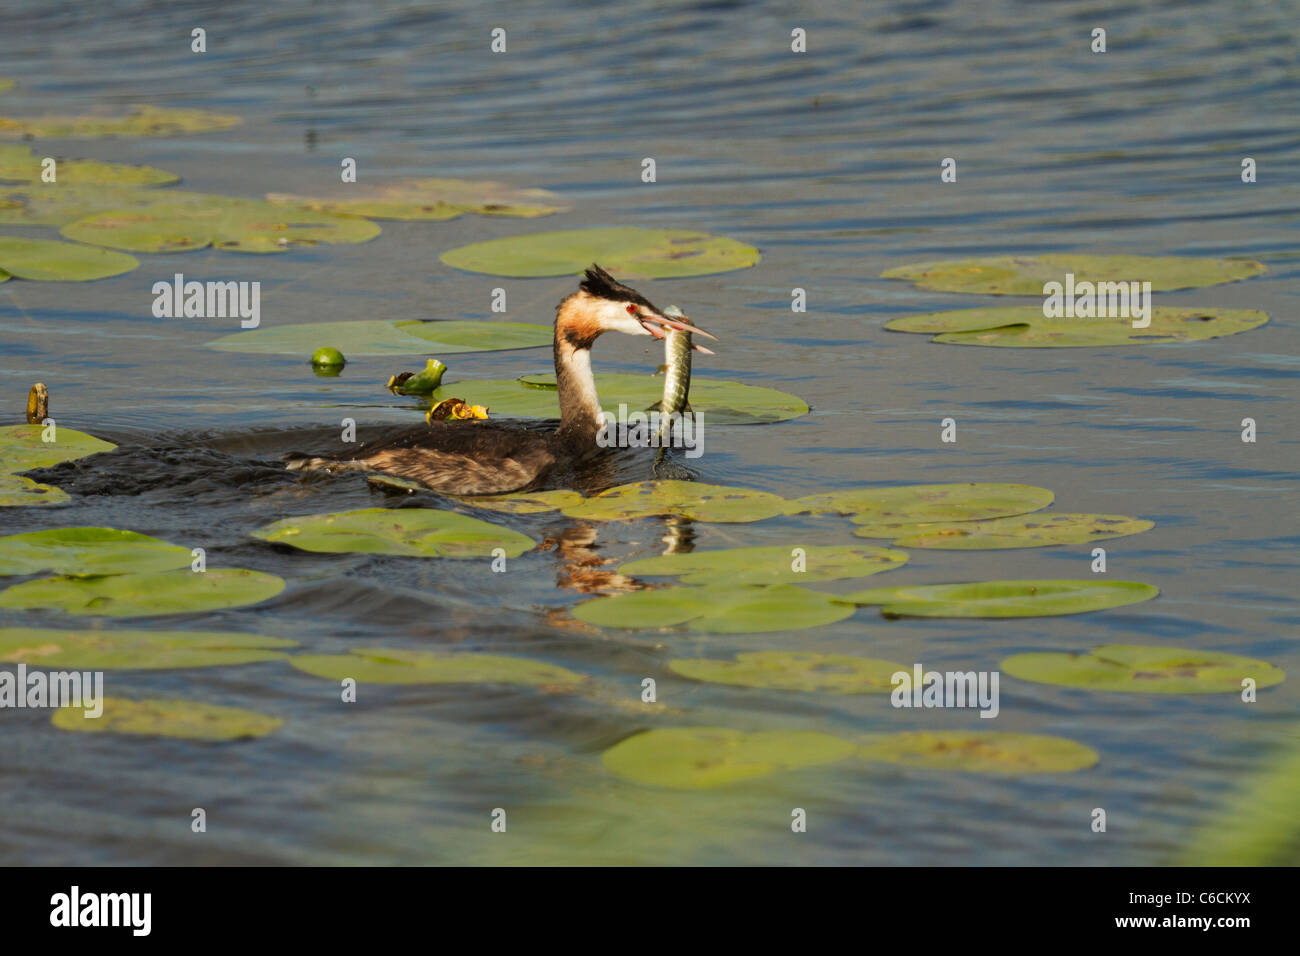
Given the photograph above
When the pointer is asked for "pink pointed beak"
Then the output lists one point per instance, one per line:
(656, 324)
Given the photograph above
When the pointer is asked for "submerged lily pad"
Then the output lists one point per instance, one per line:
(18, 164)
(187, 719)
(981, 752)
(237, 225)
(1017, 531)
(769, 565)
(141, 121)
(17, 492)
(1139, 669)
(716, 609)
(135, 650)
(1026, 327)
(1004, 598)
(626, 251)
(22, 447)
(687, 499)
(697, 758)
(795, 670)
(430, 199)
(1026, 275)
(907, 504)
(525, 502)
(377, 337)
(140, 595)
(717, 401)
(88, 551)
(414, 532)
(45, 260)
(389, 666)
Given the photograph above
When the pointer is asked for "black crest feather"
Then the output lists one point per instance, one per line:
(596, 281)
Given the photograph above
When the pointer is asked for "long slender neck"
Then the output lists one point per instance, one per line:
(579, 406)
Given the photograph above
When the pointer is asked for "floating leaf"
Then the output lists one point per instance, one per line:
(1026, 327)
(237, 225)
(717, 401)
(45, 260)
(55, 205)
(688, 499)
(16, 491)
(141, 121)
(1004, 598)
(430, 199)
(139, 595)
(795, 670)
(626, 251)
(88, 551)
(388, 666)
(769, 565)
(1155, 670)
(697, 758)
(716, 609)
(525, 502)
(906, 504)
(18, 164)
(981, 752)
(422, 382)
(22, 447)
(1018, 531)
(1026, 275)
(388, 338)
(187, 719)
(415, 532)
(135, 650)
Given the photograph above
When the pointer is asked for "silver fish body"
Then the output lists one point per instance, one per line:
(677, 375)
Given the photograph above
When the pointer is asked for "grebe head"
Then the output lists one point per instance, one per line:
(603, 304)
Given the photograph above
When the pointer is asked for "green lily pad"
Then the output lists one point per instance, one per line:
(45, 260)
(1026, 327)
(914, 504)
(718, 402)
(388, 338)
(388, 666)
(430, 200)
(140, 595)
(1151, 670)
(1003, 598)
(21, 447)
(992, 752)
(687, 499)
(55, 205)
(17, 492)
(1026, 275)
(141, 121)
(415, 532)
(716, 609)
(1017, 531)
(135, 650)
(698, 758)
(769, 565)
(18, 164)
(525, 502)
(237, 225)
(626, 251)
(88, 551)
(187, 719)
(795, 670)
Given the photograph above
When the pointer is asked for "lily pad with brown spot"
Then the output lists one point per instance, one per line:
(18, 164)
(1026, 275)
(187, 719)
(1017, 531)
(687, 499)
(100, 649)
(1026, 327)
(794, 670)
(1145, 670)
(140, 121)
(913, 504)
(774, 564)
(17, 492)
(996, 753)
(391, 666)
(429, 200)
(699, 758)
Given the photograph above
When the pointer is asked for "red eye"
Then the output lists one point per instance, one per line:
(631, 309)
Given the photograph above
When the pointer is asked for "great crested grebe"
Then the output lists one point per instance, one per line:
(491, 458)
